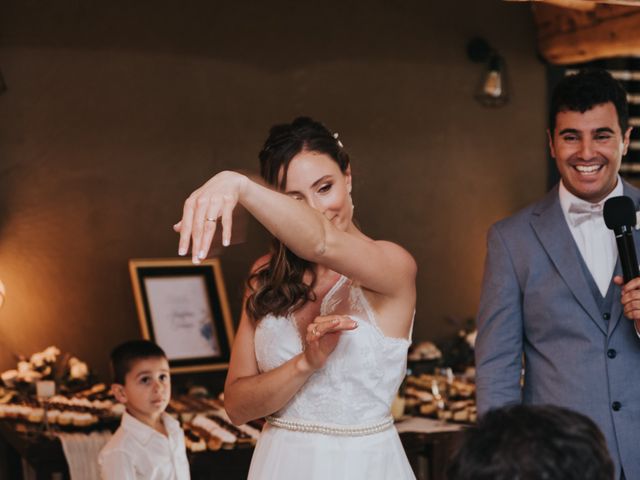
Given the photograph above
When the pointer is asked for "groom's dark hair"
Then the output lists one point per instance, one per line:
(586, 89)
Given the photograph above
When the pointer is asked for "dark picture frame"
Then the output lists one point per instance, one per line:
(183, 308)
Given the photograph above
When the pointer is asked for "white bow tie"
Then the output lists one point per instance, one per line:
(583, 211)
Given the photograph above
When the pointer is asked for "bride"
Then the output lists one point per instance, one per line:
(322, 342)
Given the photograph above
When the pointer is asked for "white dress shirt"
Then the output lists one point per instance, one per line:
(596, 243)
(137, 451)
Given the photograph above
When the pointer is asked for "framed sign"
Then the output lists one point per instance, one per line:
(183, 308)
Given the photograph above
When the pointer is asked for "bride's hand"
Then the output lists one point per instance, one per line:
(322, 337)
(213, 202)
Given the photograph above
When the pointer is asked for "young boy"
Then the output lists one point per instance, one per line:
(149, 443)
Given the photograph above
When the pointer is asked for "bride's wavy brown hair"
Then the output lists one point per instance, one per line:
(277, 287)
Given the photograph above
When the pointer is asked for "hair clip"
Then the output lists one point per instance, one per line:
(335, 135)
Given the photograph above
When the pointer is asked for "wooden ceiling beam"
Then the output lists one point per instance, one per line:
(582, 4)
(568, 36)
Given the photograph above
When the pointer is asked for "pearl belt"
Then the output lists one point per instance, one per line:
(328, 429)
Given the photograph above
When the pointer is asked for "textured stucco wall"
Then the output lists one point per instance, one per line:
(116, 110)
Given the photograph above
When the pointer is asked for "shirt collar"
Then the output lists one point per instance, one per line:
(143, 432)
(567, 198)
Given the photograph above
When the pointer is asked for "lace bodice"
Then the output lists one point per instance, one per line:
(359, 380)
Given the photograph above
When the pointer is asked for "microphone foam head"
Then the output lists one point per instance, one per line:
(619, 212)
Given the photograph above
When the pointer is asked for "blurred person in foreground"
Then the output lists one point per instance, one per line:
(523, 442)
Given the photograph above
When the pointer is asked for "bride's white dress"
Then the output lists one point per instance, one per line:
(338, 425)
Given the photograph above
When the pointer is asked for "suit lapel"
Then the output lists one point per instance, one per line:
(616, 308)
(553, 232)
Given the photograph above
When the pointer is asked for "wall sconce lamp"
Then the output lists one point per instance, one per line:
(492, 89)
(2, 293)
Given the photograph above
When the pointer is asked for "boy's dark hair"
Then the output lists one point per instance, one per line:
(125, 354)
(586, 89)
(532, 443)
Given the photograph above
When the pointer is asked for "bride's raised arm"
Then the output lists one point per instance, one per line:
(325, 236)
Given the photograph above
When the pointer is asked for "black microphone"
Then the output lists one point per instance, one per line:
(620, 216)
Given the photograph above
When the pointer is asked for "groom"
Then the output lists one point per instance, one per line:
(552, 301)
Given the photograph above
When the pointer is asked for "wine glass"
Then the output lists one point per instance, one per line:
(45, 389)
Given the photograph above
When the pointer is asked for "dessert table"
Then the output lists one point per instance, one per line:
(429, 444)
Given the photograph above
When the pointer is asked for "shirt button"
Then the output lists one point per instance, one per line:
(616, 406)
(606, 316)
(611, 353)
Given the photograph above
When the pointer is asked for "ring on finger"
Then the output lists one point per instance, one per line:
(211, 219)
(314, 330)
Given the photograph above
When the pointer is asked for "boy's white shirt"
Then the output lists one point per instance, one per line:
(137, 451)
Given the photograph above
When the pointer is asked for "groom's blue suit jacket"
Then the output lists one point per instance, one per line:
(538, 300)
